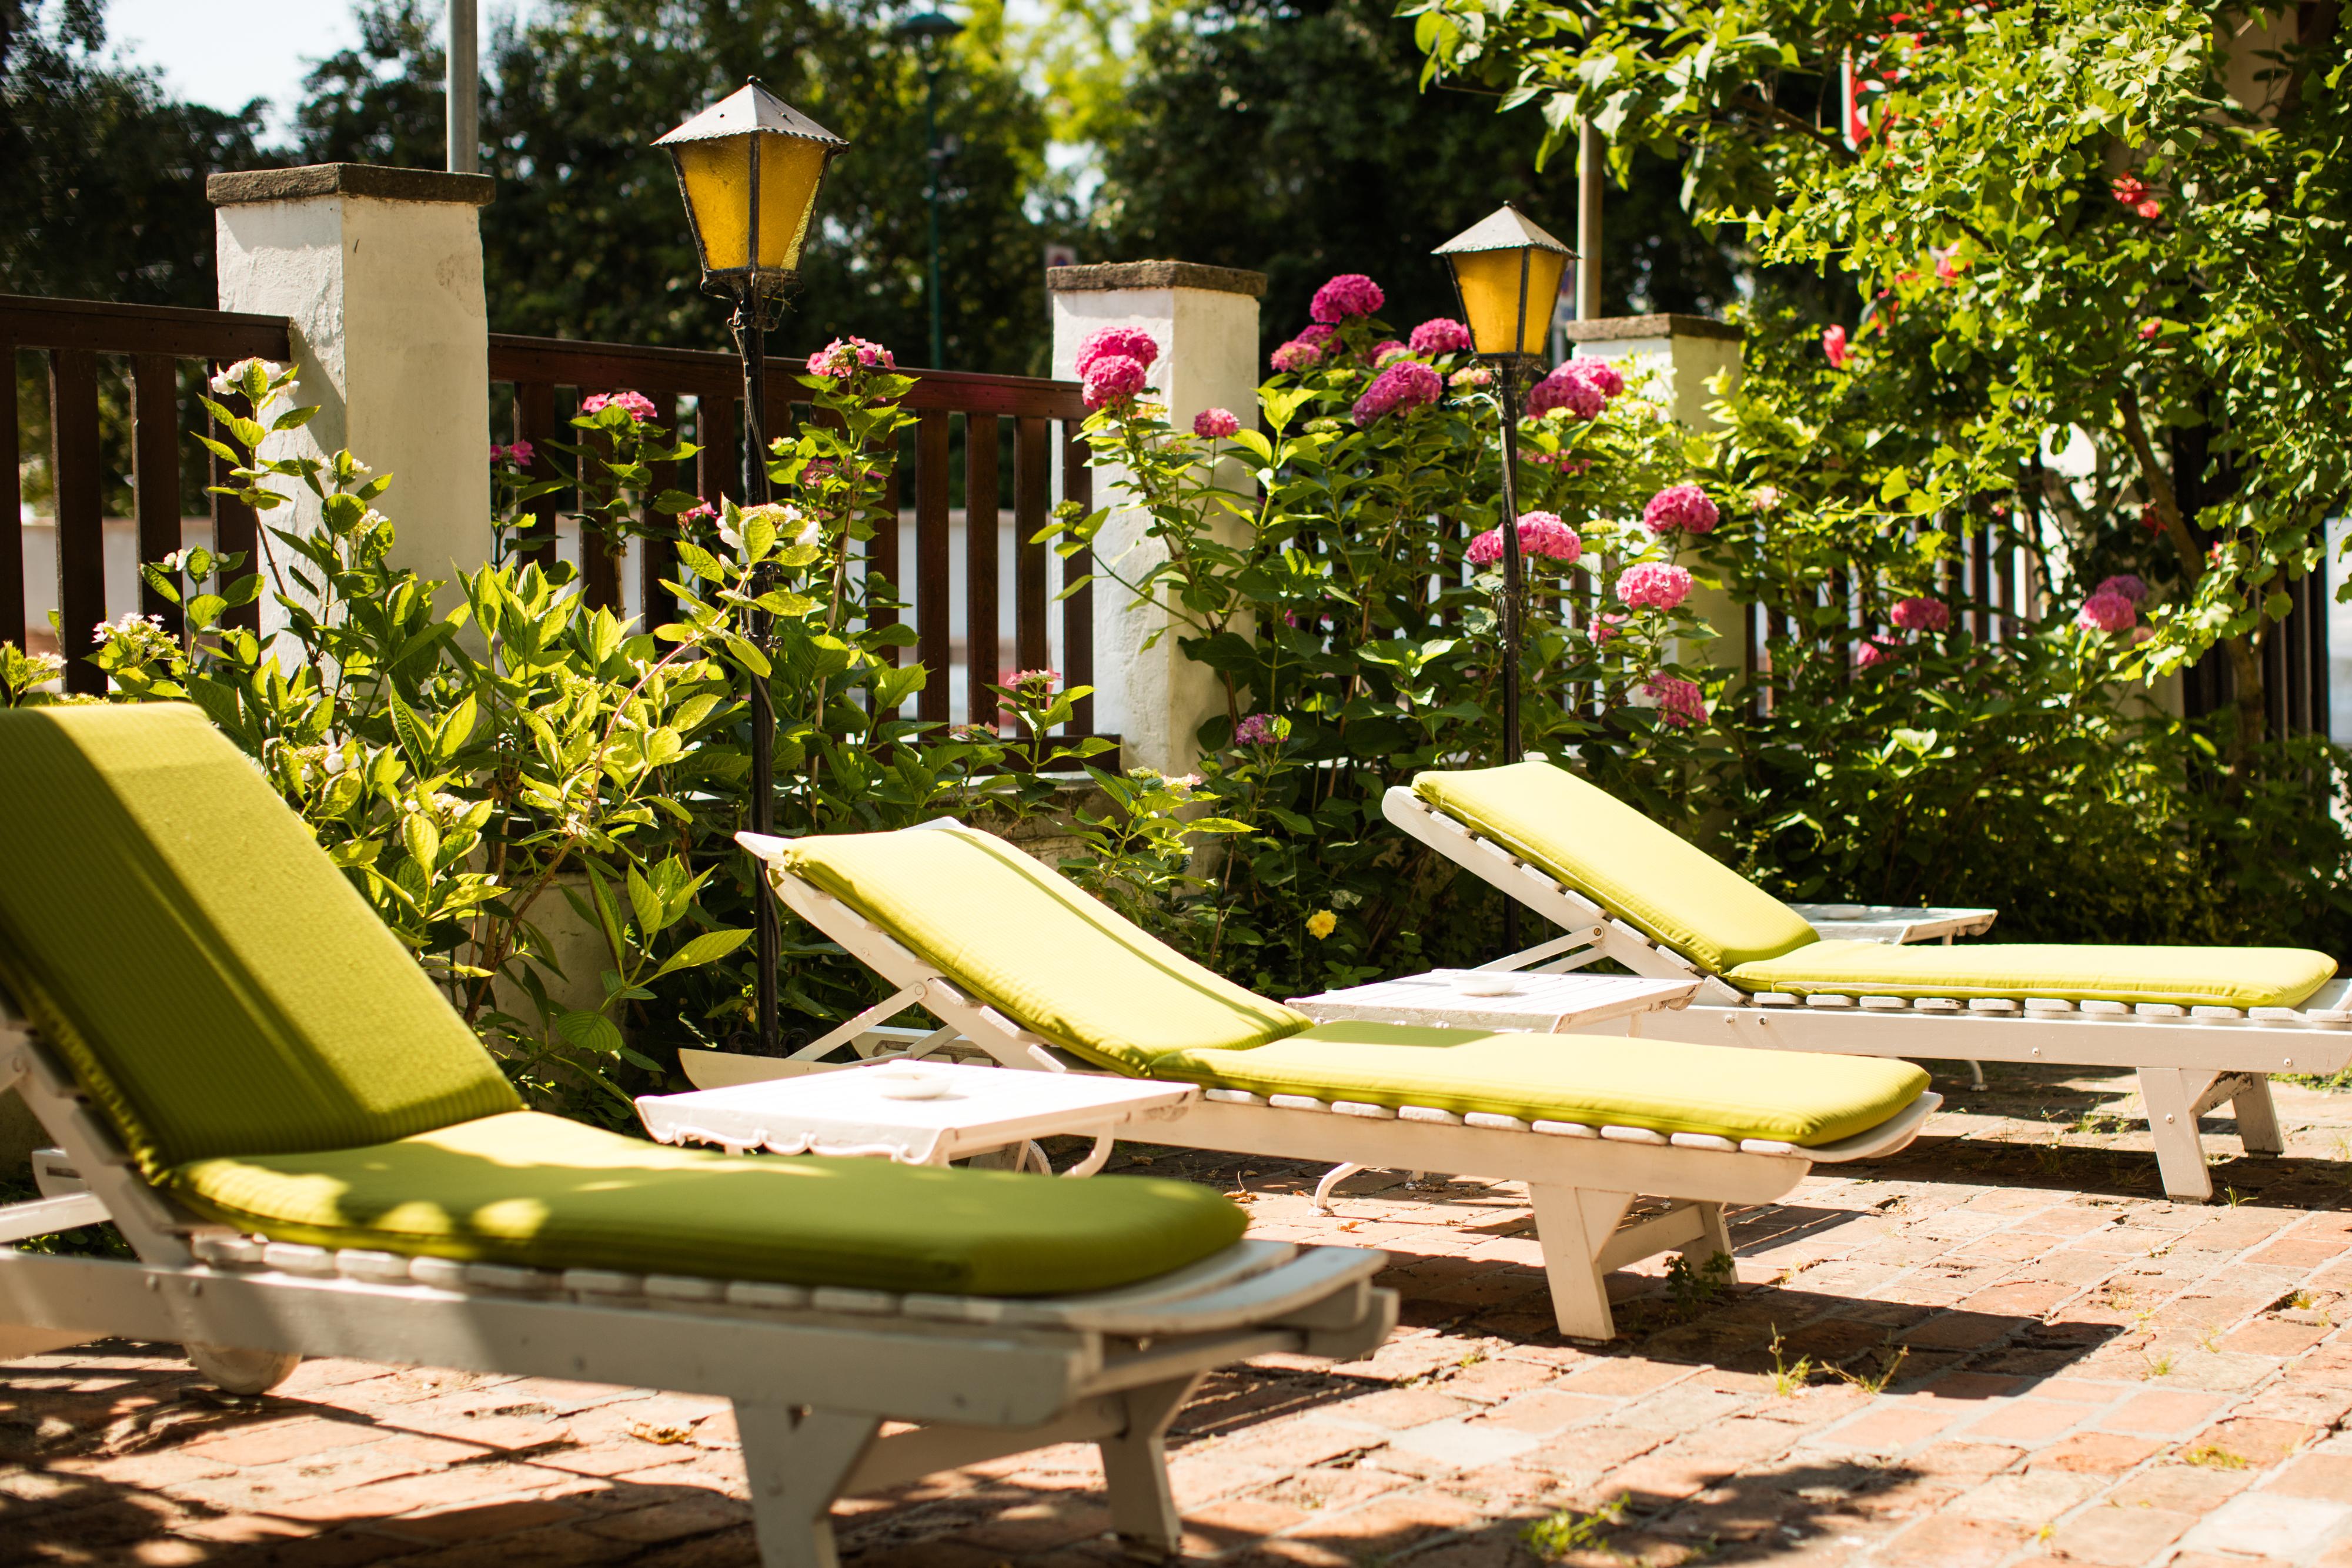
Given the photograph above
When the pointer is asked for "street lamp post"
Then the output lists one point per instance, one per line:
(749, 167)
(1507, 274)
(930, 29)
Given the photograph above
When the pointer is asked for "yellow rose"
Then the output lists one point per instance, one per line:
(1321, 923)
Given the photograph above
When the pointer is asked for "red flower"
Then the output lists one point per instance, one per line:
(2129, 191)
(2150, 209)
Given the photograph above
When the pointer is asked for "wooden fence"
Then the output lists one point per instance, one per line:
(164, 352)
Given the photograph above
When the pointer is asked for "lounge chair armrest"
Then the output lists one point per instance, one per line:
(1889, 1136)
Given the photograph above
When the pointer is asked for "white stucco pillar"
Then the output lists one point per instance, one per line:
(380, 271)
(1686, 353)
(1205, 322)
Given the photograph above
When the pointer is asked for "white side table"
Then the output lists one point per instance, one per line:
(923, 1114)
(1463, 998)
(1894, 922)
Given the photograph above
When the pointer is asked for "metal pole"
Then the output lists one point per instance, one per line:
(1588, 224)
(931, 200)
(751, 342)
(464, 89)
(1509, 370)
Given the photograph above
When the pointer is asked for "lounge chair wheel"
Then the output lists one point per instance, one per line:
(243, 1371)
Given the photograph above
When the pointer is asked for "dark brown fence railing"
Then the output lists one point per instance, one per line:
(154, 356)
(1010, 433)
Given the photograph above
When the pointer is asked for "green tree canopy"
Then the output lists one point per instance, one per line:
(587, 237)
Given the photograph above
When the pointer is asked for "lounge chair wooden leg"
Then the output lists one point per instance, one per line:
(237, 1371)
(2258, 1126)
(798, 1460)
(1573, 1226)
(1332, 1178)
(1135, 1464)
(1714, 1236)
(2171, 1095)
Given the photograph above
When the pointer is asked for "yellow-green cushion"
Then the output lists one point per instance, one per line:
(2188, 977)
(1797, 1097)
(1670, 890)
(1022, 939)
(217, 985)
(539, 1190)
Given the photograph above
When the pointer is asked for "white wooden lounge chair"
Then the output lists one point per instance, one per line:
(1017, 962)
(2199, 1026)
(309, 1155)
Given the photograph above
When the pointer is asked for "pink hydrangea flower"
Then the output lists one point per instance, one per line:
(1405, 385)
(1680, 702)
(637, 405)
(1572, 387)
(1921, 615)
(1390, 349)
(1296, 355)
(1540, 534)
(1867, 654)
(1605, 625)
(1833, 346)
(1044, 680)
(1440, 335)
(1471, 376)
(1765, 498)
(2127, 583)
(1133, 342)
(1113, 379)
(703, 512)
(1256, 729)
(1348, 295)
(1654, 585)
(1215, 423)
(1598, 373)
(2107, 611)
(1320, 334)
(519, 453)
(1683, 509)
(844, 357)
(2149, 329)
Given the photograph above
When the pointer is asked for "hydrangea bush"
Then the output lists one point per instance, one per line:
(1337, 563)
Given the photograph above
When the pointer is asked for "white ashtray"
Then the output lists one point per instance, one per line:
(1490, 985)
(908, 1084)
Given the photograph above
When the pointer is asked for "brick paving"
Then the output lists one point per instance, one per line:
(2002, 1347)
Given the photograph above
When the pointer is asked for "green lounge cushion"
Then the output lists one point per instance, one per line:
(2188, 977)
(1669, 890)
(539, 1190)
(217, 985)
(1059, 964)
(1797, 1097)
(1022, 939)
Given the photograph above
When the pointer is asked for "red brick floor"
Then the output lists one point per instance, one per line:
(2080, 1372)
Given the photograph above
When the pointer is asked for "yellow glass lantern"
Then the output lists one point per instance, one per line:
(749, 167)
(1507, 272)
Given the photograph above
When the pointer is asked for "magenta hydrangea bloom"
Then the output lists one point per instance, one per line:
(637, 404)
(2107, 611)
(1113, 379)
(1865, 654)
(1921, 615)
(1133, 342)
(1654, 585)
(1348, 295)
(1387, 349)
(1598, 373)
(1543, 534)
(1681, 508)
(1834, 349)
(2127, 583)
(1215, 423)
(1296, 355)
(844, 357)
(1440, 335)
(1405, 385)
(1472, 376)
(1680, 702)
(1574, 392)
(1605, 625)
(1256, 729)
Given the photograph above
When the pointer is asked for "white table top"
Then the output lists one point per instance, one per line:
(846, 1112)
(1538, 1004)
(1893, 922)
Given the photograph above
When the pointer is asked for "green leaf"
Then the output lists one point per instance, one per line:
(707, 949)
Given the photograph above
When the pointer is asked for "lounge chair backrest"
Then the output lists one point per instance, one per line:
(218, 985)
(1022, 939)
(1666, 888)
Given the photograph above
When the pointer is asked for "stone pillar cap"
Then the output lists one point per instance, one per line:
(1157, 275)
(249, 185)
(1611, 329)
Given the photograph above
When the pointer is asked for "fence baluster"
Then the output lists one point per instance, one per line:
(1078, 609)
(983, 658)
(75, 469)
(657, 550)
(931, 607)
(535, 422)
(155, 470)
(1032, 491)
(882, 561)
(12, 506)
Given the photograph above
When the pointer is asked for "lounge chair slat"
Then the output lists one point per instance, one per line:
(1497, 1122)
(1564, 1129)
(2211, 1012)
(1768, 1146)
(1429, 1113)
(1297, 1103)
(297, 1259)
(1633, 1136)
(364, 1263)
(767, 1296)
(1704, 1141)
(684, 1288)
(1936, 1004)
(1991, 1005)
(506, 1276)
(1360, 1108)
(2048, 1005)
(603, 1283)
(1884, 1004)
(1829, 1001)
(1232, 1096)
(841, 1298)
